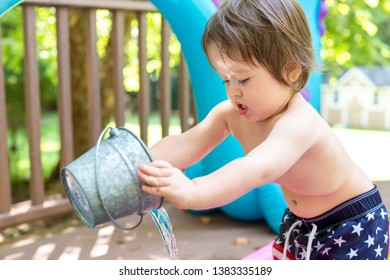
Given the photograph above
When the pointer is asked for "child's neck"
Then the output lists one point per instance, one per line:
(284, 106)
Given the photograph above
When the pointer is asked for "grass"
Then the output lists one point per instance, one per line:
(50, 147)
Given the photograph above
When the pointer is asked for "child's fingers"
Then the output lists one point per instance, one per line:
(153, 190)
(155, 175)
(153, 170)
(161, 164)
(153, 180)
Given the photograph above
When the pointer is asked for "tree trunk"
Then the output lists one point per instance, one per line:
(78, 57)
(107, 70)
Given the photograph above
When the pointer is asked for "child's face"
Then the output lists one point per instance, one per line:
(253, 91)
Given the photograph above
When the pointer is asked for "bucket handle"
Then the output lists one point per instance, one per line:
(98, 190)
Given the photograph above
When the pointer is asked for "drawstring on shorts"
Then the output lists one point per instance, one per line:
(309, 243)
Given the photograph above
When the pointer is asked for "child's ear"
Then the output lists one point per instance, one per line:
(292, 71)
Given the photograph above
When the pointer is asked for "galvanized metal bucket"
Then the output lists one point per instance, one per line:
(102, 184)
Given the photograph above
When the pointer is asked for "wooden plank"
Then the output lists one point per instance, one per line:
(93, 83)
(64, 86)
(144, 91)
(119, 92)
(184, 94)
(127, 5)
(165, 79)
(26, 212)
(33, 107)
(5, 185)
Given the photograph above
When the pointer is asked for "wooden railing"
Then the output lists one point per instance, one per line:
(39, 204)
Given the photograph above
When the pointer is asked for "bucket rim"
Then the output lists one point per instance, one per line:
(69, 195)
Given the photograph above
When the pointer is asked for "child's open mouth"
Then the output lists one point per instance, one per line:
(242, 109)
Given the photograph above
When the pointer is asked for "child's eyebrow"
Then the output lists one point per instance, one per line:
(240, 71)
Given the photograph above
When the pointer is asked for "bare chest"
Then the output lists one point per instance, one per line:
(250, 135)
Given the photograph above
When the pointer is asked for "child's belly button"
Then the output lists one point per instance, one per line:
(294, 202)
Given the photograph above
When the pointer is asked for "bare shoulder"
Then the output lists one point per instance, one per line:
(222, 114)
(225, 108)
(301, 122)
(214, 125)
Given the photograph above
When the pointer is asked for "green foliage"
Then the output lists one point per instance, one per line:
(103, 28)
(357, 33)
(47, 56)
(13, 63)
(13, 55)
(13, 48)
(153, 66)
(19, 151)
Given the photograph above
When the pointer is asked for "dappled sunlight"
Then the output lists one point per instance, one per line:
(51, 146)
(24, 242)
(69, 230)
(70, 253)
(67, 245)
(14, 256)
(101, 246)
(44, 252)
(129, 238)
(158, 257)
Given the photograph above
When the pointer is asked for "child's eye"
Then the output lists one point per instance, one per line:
(241, 82)
(225, 82)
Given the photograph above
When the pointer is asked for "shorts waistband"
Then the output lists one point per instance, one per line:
(351, 209)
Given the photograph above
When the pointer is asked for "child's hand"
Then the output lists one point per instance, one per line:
(162, 179)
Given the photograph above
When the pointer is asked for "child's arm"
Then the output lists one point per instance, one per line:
(191, 146)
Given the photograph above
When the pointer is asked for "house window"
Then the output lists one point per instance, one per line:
(376, 97)
(336, 97)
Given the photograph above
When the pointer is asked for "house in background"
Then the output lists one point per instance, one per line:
(360, 99)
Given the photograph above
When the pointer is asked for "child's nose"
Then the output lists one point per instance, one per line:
(234, 91)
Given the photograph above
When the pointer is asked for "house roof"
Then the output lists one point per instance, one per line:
(378, 75)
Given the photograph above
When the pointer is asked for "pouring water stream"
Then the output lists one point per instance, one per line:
(161, 219)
